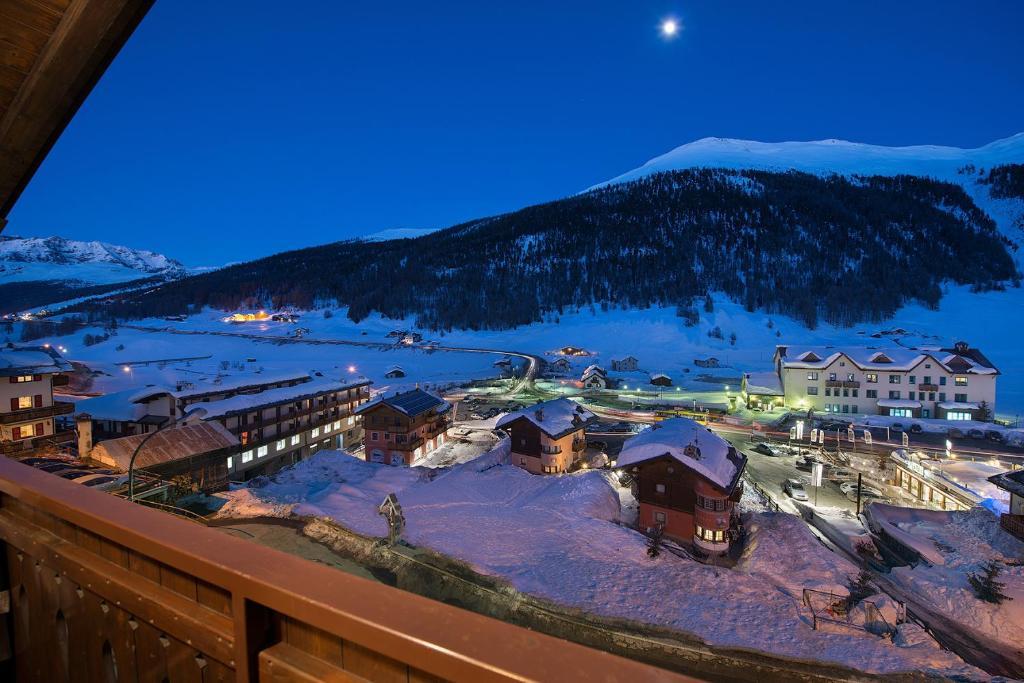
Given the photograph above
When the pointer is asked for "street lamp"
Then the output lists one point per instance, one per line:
(135, 454)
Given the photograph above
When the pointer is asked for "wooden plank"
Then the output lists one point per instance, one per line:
(150, 653)
(80, 632)
(372, 665)
(16, 58)
(313, 641)
(181, 662)
(23, 38)
(114, 552)
(213, 597)
(417, 676)
(215, 672)
(179, 582)
(181, 618)
(284, 663)
(144, 566)
(42, 21)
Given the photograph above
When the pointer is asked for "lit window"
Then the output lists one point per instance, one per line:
(719, 535)
(281, 444)
(812, 376)
(295, 440)
(23, 378)
(960, 380)
(895, 379)
(351, 420)
(871, 377)
(261, 451)
(958, 415)
(337, 424)
(832, 376)
(315, 433)
(659, 488)
(659, 517)
(230, 462)
(246, 457)
(24, 402)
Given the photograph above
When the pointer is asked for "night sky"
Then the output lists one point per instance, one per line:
(226, 131)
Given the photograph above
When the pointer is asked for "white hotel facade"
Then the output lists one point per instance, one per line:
(957, 383)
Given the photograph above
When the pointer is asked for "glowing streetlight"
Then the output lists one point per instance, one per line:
(670, 28)
(351, 368)
(126, 369)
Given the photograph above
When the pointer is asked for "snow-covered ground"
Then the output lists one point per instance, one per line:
(956, 545)
(55, 258)
(558, 538)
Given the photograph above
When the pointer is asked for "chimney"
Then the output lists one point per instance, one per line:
(540, 414)
(83, 425)
(961, 347)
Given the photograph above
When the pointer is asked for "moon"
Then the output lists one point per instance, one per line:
(669, 28)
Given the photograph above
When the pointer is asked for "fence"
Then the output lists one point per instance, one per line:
(828, 607)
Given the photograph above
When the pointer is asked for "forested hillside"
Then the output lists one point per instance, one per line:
(839, 249)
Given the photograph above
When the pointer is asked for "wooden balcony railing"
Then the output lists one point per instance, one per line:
(98, 585)
(58, 408)
(17, 447)
(1013, 524)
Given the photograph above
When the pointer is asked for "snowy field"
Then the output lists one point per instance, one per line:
(558, 538)
(957, 544)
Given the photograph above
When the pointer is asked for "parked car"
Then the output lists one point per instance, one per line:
(866, 493)
(101, 480)
(840, 474)
(794, 489)
(955, 433)
(896, 426)
(975, 433)
(75, 474)
(994, 435)
(807, 464)
(769, 449)
(916, 428)
(832, 426)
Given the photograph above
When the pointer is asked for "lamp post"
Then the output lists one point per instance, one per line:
(135, 454)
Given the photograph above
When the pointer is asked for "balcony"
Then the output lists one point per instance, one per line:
(146, 589)
(850, 384)
(551, 450)
(31, 444)
(1013, 524)
(29, 414)
(834, 383)
(928, 387)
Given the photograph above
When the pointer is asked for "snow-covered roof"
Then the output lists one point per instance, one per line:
(711, 456)
(555, 418)
(659, 375)
(1010, 481)
(763, 384)
(243, 382)
(119, 406)
(31, 360)
(594, 370)
(898, 403)
(958, 405)
(246, 402)
(964, 360)
(411, 403)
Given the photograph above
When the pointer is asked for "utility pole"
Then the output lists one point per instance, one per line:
(859, 478)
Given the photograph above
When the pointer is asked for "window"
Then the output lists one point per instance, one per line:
(927, 380)
(849, 377)
(812, 376)
(295, 440)
(828, 392)
(659, 488)
(855, 392)
(315, 433)
(958, 415)
(871, 393)
(942, 381)
(871, 378)
(832, 376)
(846, 408)
(21, 378)
(351, 420)
(900, 412)
(960, 380)
(912, 379)
(375, 436)
(230, 462)
(246, 457)
(846, 393)
(960, 398)
(261, 451)
(23, 402)
(894, 394)
(894, 379)
(853, 407)
(337, 425)
(659, 517)
(925, 413)
(910, 395)
(281, 444)
(931, 395)
(812, 391)
(942, 396)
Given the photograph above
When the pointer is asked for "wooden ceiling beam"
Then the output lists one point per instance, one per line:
(82, 43)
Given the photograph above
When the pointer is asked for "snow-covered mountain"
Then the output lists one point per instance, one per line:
(829, 156)
(397, 234)
(26, 259)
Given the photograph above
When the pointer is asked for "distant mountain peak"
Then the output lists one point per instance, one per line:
(827, 156)
(56, 258)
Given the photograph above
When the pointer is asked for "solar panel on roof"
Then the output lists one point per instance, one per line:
(414, 402)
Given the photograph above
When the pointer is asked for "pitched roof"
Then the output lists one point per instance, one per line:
(118, 406)
(1010, 481)
(555, 418)
(963, 359)
(763, 384)
(410, 403)
(691, 444)
(166, 445)
(244, 403)
(31, 360)
(242, 383)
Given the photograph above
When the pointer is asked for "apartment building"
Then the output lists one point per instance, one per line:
(956, 383)
(278, 427)
(401, 428)
(27, 408)
(687, 480)
(549, 437)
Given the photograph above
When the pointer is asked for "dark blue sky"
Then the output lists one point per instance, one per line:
(229, 130)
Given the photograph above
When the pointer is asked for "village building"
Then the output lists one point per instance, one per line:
(278, 427)
(687, 481)
(660, 379)
(762, 390)
(925, 480)
(573, 351)
(709, 362)
(560, 366)
(549, 437)
(227, 387)
(595, 377)
(957, 383)
(401, 428)
(133, 411)
(627, 364)
(1012, 483)
(27, 407)
(201, 453)
(395, 372)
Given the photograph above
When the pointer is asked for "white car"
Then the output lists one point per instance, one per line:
(794, 489)
(865, 493)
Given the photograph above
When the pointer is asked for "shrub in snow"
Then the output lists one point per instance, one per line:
(860, 588)
(655, 540)
(716, 333)
(986, 586)
(328, 314)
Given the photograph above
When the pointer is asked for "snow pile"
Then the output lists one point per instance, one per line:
(963, 541)
(557, 538)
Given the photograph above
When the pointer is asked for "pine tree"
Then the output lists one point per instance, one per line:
(986, 586)
(860, 588)
(655, 540)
